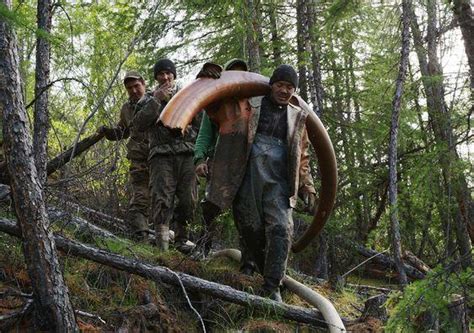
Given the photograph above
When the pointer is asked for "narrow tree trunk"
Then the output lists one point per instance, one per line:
(275, 39)
(302, 39)
(392, 155)
(455, 181)
(463, 12)
(52, 304)
(253, 32)
(315, 60)
(41, 123)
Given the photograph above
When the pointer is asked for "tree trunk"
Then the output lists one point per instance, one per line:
(41, 122)
(455, 181)
(253, 32)
(392, 154)
(302, 40)
(463, 13)
(52, 304)
(275, 39)
(318, 91)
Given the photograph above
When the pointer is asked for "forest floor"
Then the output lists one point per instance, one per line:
(112, 300)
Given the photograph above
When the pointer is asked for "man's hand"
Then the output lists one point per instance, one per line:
(163, 93)
(101, 130)
(202, 170)
(210, 70)
(309, 200)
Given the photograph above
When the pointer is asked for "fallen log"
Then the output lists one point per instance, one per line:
(112, 223)
(60, 160)
(386, 261)
(81, 225)
(78, 149)
(416, 262)
(162, 274)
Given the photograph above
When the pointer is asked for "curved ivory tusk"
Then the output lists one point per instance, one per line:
(190, 100)
(328, 310)
(319, 138)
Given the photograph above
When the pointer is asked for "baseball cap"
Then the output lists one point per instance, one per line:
(132, 75)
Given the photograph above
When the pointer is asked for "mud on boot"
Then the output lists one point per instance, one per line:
(162, 233)
(184, 247)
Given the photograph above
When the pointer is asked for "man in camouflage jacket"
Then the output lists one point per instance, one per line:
(171, 162)
(137, 153)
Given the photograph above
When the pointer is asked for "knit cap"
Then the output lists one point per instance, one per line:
(164, 65)
(285, 73)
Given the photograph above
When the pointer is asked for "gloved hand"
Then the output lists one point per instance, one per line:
(210, 70)
(202, 170)
(309, 200)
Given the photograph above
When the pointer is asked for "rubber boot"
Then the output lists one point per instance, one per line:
(162, 233)
(209, 214)
(141, 227)
(181, 239)
(272, 292)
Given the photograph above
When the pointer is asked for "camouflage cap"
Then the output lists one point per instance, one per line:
(132, 75)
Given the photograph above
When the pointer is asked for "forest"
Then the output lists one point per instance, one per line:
(392, 82)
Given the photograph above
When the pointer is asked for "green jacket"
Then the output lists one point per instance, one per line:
(209, 131)
(206, 140)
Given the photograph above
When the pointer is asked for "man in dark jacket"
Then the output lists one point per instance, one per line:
(171, 162)
(261, 165)
(137, 153)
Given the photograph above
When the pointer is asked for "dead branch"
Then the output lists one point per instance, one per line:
(8, 320)
(72, 152)
(387, 261)
(81, 225)
(90, 315)
(107, 221)
(60, 160)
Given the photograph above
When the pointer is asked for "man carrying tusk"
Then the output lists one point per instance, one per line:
(171, 162)
(260, 165)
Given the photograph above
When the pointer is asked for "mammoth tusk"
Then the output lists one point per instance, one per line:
(319, 138)
(329, 312)
(190, 100)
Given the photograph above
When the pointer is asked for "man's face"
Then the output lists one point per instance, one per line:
(135, 89)
(282, 92)
(165, 77)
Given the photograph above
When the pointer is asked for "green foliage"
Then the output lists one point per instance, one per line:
(358, 46)
(431, 295)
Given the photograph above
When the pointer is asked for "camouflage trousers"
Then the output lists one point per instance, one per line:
(171, 177)
(262, 210)
(140, 196)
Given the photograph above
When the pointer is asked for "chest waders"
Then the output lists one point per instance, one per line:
(262, 211)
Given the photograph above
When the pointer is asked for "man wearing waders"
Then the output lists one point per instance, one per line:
(259, 168)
